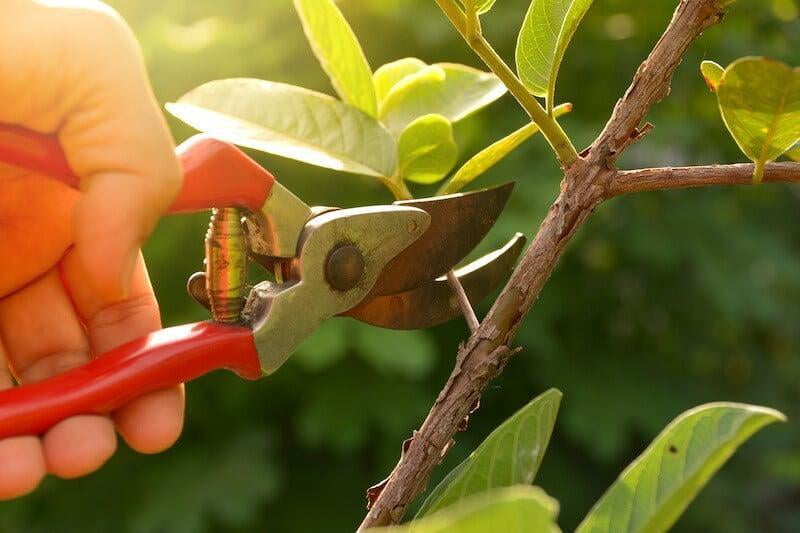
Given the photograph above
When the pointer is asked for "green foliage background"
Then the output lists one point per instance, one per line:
(664, 301)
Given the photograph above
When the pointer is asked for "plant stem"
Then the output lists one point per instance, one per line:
(586, 184)
(551, 129)
(463, 301)
(473, 21)
(398, 188)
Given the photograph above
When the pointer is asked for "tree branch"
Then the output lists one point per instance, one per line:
(657, 179)
(586, 183)
(652, 80)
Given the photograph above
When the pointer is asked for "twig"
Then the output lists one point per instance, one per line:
(586, 183)
(550, 127)
(463, 301)
(657, 179)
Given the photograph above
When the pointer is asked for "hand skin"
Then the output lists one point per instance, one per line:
(72, 283)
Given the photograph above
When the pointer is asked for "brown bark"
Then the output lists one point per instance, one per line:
(657, 179)
(587, 182)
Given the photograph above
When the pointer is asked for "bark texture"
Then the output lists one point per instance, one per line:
(587, 182)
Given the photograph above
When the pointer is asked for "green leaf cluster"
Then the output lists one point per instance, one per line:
(759, 100)
(491, 489)
(395, 124)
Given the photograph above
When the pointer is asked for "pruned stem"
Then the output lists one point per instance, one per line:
(463, 301)
(398, 188)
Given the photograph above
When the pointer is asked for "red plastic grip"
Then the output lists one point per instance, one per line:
(215, 173)
(37, 152)
(156, 361)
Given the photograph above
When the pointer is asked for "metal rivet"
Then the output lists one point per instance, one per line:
(345, 267)
(412, 226)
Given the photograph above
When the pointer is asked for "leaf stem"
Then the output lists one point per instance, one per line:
(551, 129)
(758, 171)
(473, 21)
(398, 188)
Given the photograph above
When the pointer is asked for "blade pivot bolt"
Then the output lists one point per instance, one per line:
(344, 267)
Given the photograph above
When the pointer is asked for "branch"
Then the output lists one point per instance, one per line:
(586, 183)
(657, 179)
(652, 80)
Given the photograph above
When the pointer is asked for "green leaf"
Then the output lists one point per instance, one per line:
(794, 153)
(546, 33)
(652, 493)
(712, 73)
(511, 455)
(482, 6)
(291, 122)
(453, 91)
(518, 509)
(339, 53)
(426, 150)
(760, 103)
(491, 155)
(390, 74)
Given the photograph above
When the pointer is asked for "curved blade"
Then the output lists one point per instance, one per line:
(433, 302)
(458, 223)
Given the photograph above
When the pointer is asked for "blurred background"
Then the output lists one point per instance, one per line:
(663, 301)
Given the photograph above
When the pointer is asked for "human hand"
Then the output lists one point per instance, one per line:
(73, 284)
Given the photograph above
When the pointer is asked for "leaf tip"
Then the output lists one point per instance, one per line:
(552, 391)
(712, 74)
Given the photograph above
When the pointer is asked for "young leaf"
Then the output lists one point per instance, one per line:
(426, 150)
(652, 493)
(491, 155)
(291, 122)
(518, 509)
(339, 52)
(482, 6)
(760, 103)
(390, 74)
(794, 153)
(511, 455)
(453, 91)
(545, 35)
(712, 73)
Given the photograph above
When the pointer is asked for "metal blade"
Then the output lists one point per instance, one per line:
(433, 302)
(458, 223)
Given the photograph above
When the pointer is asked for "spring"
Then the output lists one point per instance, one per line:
(226, 264)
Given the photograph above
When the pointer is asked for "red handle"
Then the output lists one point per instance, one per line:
(156, 361)
(215, 173)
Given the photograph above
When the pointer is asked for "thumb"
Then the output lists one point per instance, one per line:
(117, 140)
(111, 221)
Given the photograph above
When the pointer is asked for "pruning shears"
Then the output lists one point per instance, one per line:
(384, 265)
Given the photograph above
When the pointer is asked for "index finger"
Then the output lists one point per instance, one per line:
(152, 422)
